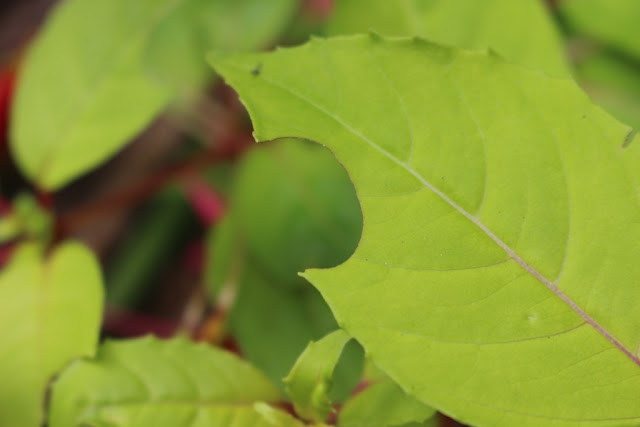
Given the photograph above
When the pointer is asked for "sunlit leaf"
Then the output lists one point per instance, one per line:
(496, 276)
(148, 382)
(613, 83)
(50, 313)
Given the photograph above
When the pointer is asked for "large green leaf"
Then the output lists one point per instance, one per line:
(497, 271)
(148, 382)
(612, 22)
(176, 51)
(50, 312)
(83, 92)
(293, 207)
(521, 31)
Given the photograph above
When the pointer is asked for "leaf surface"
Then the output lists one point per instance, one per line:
(495, 278)
(384, 404)
(521, 31)
(148, 382)
(83, 92)
(310, 379)
(50, 312)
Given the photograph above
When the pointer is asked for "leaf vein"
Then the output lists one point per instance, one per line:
(550, 285)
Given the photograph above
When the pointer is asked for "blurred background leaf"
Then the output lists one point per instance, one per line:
(176, 51)
(47, 318)
(148, 382)
(293, 207)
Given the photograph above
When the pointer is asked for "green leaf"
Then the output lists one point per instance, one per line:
(276, 418)
(613, 83)
(521, 31)
(612, 22)
(177, 48)
(26, 219)
(384, 404)
(293, 207)
(496, 276)
(50, 312)
(310, 379)
(83, 92)
(148, 382)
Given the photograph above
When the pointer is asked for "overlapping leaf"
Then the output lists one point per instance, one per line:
(614, 23)
(175, 54)
(147, 382)
(521, 31)
(49, 313)
(310, 379)
(497, 274)
(293, 207)
(385, 404)
(82, 91)
(99, 72)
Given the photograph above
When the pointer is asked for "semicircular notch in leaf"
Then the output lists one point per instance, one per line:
(50, 312)
(149, 382)
(496, 278)
(293, 207)
(83, 91)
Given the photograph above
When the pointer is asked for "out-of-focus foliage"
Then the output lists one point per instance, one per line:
(521, 31)
(293, 207)
(26, 220)
(100, 71)
(606, 49)
(50, 312)
(612, 22)
(385, 404)
(82, 91)
(175, 55)
(488, 229)
(147, 382)
(310, 379)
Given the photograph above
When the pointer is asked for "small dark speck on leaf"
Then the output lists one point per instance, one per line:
(629, 138)
(256, 71)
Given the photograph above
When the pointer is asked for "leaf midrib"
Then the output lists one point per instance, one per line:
(474, 220)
